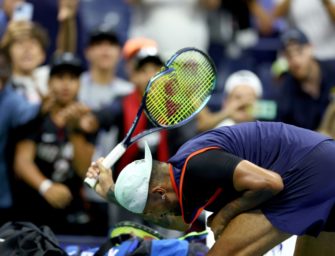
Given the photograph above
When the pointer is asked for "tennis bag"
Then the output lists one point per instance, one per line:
(132, 239)
(25, 238)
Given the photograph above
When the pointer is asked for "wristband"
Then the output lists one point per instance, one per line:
(45, 185)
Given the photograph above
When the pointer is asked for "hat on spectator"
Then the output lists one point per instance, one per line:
(132, 185)
(103, 33)
(293, 35)
(141, 50)
(244, 77)
(66, 62)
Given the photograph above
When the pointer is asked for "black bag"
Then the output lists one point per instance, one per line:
(26, 239)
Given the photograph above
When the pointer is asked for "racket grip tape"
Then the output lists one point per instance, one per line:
(108, 161)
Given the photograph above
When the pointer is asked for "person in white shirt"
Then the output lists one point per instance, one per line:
(173, 24)
(316, 18)
(100, 85)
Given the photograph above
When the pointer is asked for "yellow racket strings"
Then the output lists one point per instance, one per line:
(175, 96)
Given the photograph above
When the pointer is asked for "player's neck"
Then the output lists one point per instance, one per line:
(102, 76)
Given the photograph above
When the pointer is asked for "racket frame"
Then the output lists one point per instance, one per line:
(128, 140)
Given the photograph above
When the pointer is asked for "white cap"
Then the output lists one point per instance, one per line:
(132, 184)
(244, 77)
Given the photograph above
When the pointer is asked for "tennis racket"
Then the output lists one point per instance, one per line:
(172, 98)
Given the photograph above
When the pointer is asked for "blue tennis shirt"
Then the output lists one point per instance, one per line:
(302, 158)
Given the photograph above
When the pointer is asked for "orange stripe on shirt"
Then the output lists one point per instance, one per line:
(182, 181)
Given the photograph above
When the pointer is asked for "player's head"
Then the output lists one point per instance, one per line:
(242, 87)
(142, 60)
(103, 50)
(26, 50)
(65, 70)
(143, 186)
(298, 51)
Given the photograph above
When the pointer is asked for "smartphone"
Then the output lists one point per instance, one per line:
(23, 12)
(264, 110)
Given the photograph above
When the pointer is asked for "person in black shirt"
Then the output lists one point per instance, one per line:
(52, 157)
(307, 87)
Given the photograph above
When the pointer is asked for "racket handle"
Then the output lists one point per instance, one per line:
(109, 160)
(90, 182)
(114, 155)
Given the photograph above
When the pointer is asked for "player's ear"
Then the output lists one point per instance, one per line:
(159, 190)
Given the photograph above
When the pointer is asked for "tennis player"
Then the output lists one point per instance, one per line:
(264, 182)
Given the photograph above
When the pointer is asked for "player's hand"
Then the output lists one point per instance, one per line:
(217, 223)
(58, 196)
(104, 176)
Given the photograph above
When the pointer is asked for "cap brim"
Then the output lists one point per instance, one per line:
(104, 37)
(148, 156)
(154, 59)
(66, 68)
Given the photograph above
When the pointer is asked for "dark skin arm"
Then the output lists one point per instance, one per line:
(259, 185)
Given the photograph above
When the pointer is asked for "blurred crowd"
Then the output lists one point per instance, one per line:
(72, 75)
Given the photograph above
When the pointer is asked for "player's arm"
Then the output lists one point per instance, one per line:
(257, 184)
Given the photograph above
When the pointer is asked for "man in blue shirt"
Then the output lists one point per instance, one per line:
(14, 111)
(263, 181)
(308, 84)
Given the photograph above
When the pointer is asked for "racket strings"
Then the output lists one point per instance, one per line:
(177, 95)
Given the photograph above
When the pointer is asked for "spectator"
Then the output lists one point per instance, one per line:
(242, 89)
(52, 157)
(100, 85)
(173, 24)
(15, 111)
(307, 87)
(243, 36)
(26, 44)
(315, 19)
